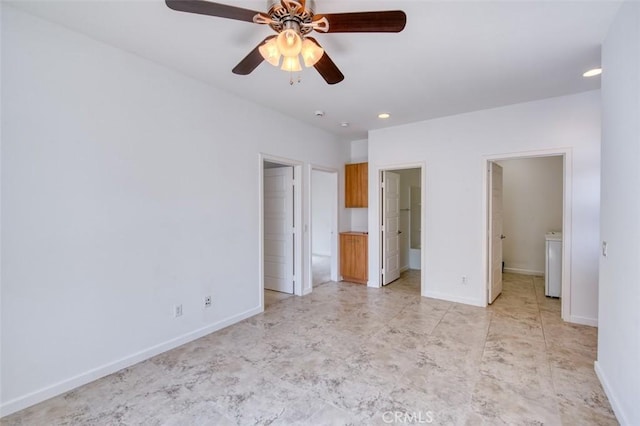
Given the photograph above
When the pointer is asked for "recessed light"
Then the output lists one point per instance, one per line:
(344, 124)
(593, 72)
(319, 113)
(384, 115)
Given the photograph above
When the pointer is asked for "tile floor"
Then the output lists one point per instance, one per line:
(272, 297)
(320, 269)
(346, 354)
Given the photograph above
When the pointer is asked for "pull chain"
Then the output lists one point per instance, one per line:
(291, 78)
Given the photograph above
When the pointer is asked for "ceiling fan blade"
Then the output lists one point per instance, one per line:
(391, 21)
(251, 61)
(327, 68)
(213, 9)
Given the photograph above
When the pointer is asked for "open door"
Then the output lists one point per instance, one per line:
(391, 227)
(278, 229)
(495, 231)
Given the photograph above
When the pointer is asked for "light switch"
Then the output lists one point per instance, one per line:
(604, 248)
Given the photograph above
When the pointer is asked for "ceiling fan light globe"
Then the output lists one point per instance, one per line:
(291, 64)
(289, 43)
(270, 52)
(311, 53)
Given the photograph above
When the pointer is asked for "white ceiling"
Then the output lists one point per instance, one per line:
(452, 57)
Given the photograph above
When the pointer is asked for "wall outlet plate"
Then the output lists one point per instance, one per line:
(207, 302)
(177, 311)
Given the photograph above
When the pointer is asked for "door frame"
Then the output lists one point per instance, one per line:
(308, 288)
(297, 220)
(375, 221)
(567, 185)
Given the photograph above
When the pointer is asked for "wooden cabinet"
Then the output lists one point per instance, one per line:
(353, 257)
(356, 185)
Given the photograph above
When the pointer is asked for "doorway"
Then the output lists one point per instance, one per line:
(527, 197)
(323, 224)
(280, 218)
(401, 227)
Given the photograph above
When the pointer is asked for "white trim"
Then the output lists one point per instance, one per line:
(456, 299)
(613, 399)
(593, 322)
(567, 185)
(61, 387)
(335, 243)
(524, 271)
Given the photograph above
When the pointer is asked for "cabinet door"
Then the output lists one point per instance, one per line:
(346, 256)
(353, 258)
(356, 185)
(360, 258)
(350, 185)
(363, 184)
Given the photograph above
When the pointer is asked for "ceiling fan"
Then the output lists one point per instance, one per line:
(293, 20)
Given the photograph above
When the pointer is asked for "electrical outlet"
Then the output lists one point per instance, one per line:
(177, 311)
(207, 302)
(465, 280)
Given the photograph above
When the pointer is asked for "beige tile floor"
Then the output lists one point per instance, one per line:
(272, 297)
(320, 269)
(346, 354)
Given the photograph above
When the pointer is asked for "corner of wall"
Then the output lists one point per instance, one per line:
(611, 395)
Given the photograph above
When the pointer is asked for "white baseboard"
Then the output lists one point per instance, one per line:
(404, 268)
(524, 271)
(59, 388)
(593, 322)
(321, 254)
(456, 299)
(613, 399)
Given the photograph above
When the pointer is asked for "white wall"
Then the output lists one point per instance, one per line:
(322, 205)
(532, 206)
(358, 217)
(619, 327)
(454, 150)
(359, 151)
(126, 188)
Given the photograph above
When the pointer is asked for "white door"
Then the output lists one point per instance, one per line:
(391, 227)
(278, 229)
(495, 231)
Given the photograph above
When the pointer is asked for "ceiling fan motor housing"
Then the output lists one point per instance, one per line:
(283, 11)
